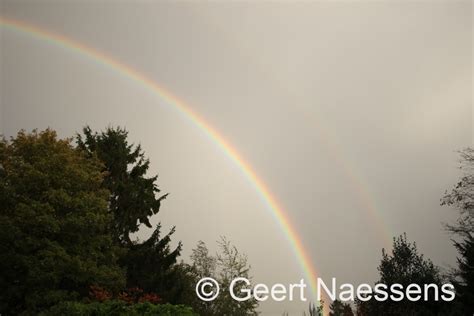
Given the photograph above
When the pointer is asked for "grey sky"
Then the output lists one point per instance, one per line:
(305, 91)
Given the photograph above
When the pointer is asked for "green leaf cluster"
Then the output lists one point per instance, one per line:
(54, 224)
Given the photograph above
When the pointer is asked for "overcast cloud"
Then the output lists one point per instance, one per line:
(338, 106)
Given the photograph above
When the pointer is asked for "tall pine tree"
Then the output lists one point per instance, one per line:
(134, 198)
(133, 195)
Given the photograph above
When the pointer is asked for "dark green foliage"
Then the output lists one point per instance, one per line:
(405, 266)
(133, 201)
(462, 198)
(185, 279)
(150, 266)
(117, 308)
(464, 282)
(132, 195)
(54, 224)
(339, 308)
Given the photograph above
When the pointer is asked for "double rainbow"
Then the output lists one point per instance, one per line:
(278, 213)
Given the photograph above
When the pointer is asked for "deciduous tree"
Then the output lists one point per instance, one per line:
(54, 224)
(227, 264)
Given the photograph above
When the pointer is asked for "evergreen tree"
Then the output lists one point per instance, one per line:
(133, 200)
(465, 275)
(462, 198)
(54, 225)
(133, 197)
(150, 266)
(405, 266)
(339, 308)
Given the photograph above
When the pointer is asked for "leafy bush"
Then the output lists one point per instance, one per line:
(117, 308)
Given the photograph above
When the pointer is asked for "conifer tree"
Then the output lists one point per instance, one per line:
(405, 266)
(133, 195)
(339, 308)
(134, 199)
(461, 198)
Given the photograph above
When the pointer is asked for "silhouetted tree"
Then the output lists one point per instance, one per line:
(150, 266)
(462, 198)
(133, 197)
(464, 282)
(133, 200)
(405, 266)
(339, 308)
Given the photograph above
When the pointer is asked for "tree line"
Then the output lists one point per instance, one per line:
(69, 209)
(404, 264)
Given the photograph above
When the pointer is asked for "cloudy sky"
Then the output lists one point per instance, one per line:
(350, 112)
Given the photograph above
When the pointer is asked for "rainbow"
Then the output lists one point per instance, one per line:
(270, 200)
(276, 210)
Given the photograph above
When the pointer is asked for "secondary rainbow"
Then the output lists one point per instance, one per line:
(276, 210)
